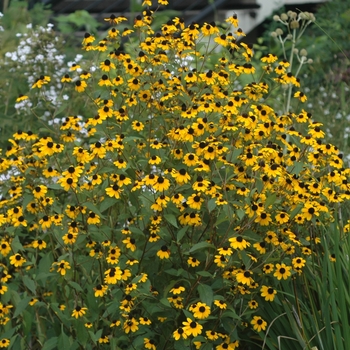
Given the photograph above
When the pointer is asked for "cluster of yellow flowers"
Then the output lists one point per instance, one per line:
(176, 197)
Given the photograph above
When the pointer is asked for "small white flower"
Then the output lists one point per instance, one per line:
(65, 97)
(29, 26)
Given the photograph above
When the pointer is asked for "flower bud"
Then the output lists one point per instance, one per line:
(294, 24)
(292, 14)
(274, 34)
(310, 61)
(284, 17)
(296, 51)
(276, 18)
(303, 52)
(279, 31)
(289, 37)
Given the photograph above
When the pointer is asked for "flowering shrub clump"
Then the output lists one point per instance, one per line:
(173, 211)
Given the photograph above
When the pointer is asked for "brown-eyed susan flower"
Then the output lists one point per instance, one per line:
(113, 275)
(192, 328)
(17, 260)
(100, 290)
(282, 271)
(300, 96)
(228, 345)
(62, 267)
(66, 79)
(42, 80)
(5, 248)
(4, 343)
(39, 244)
(70, 238)
(149, 344)
(145, 321)
(131, 325)
(193, 262)
(268, 293)
(179, 333)
(80, 85)
(177, 290)
(220, 304)
(103, 340)
(164, 252)
(137, 126)
(244, 277)
(3, 288)
(79, 311)
(33, 301)
(93, 219)
(201, 311)
(298, 263)
(239, 242)
(258, 323)
(114, 191)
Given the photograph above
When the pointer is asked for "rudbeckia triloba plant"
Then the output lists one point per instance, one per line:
(177, 211)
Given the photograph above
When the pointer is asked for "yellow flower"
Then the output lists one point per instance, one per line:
(79, 311)
(258, 323)
(17, 260)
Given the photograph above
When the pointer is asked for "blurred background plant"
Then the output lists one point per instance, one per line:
(30, 48)
(327, 79)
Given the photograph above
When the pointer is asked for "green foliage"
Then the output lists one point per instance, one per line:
(78, 20)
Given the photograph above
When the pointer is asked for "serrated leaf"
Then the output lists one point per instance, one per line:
(171, 219)
(29, 283)
(201, 246)
(205, 294)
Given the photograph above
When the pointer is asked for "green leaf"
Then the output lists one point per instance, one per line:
(30, 284)
(21, 306)
(76, 286)
(171, 219)
(204, 274)
(205, 294)
(27, 198)
(270, 200)
(55, 187)
(16, 245)
(297, 168)
(93, 208)
(211, 205)
(107, 203)
(201, 246)
(181, 234)
(63, 340)
(50, 344)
